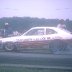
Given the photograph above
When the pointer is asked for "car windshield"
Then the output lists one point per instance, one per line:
(36, 35)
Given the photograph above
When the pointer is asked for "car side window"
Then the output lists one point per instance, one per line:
(36, 32)
(50, 31)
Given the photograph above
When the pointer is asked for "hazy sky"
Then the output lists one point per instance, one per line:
(61, 9)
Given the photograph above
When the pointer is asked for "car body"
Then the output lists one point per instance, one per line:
(38, 37)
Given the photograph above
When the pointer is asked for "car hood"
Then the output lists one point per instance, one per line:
(13, 39)
(20, 38)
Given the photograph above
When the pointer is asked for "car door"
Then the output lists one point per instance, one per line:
(51, 34)
(33, 38)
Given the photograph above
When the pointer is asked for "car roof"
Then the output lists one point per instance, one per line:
(43, 27)
(54, 28)
(59, 30)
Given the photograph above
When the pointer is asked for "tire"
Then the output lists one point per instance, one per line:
(9, 47)
(69, 47)
(57, 46)
(1, 46)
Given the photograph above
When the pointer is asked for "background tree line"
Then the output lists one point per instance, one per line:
(22, 24)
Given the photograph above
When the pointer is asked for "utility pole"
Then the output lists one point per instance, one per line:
(6, 27)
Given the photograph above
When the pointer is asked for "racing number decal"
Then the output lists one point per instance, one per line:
(48, 38)
(37, 39)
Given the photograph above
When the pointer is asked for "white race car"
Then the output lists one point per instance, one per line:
(51, 37)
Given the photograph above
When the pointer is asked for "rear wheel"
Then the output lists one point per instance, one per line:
(57, 46)
(9, 47)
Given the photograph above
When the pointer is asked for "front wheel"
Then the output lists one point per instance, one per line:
(9, 47)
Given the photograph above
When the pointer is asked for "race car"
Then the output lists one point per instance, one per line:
(39, 37)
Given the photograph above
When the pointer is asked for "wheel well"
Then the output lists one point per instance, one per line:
(9, 43)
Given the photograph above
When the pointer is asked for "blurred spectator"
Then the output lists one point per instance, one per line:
(7, 29)
(61, 25)
(15, 33)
